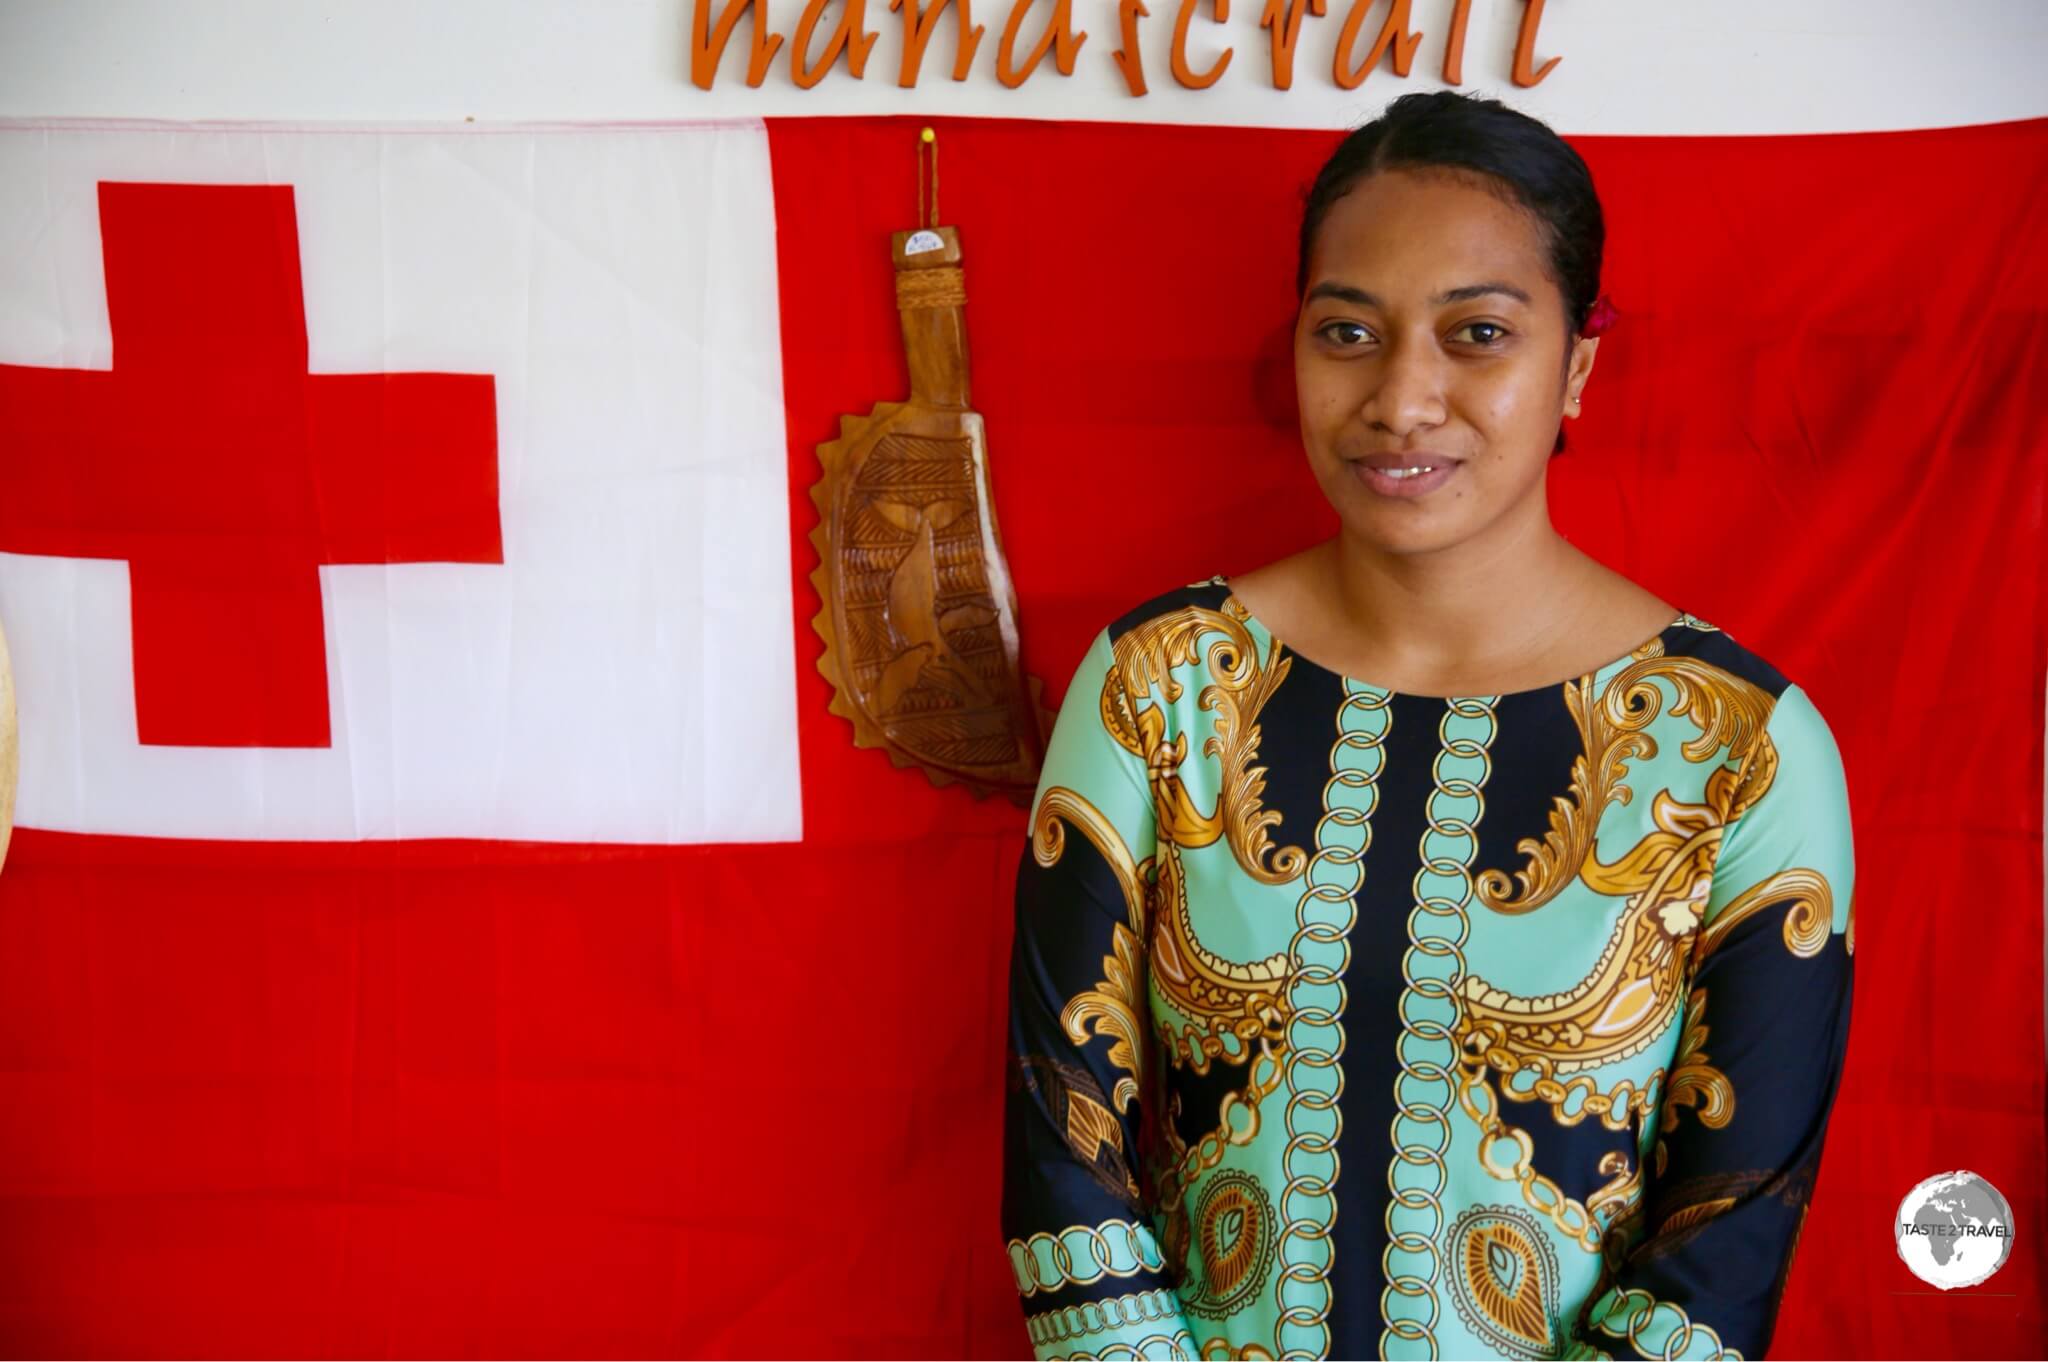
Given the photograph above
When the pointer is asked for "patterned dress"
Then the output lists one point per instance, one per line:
(1358, 1023)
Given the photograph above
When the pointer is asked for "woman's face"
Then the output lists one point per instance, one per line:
(1431, 331)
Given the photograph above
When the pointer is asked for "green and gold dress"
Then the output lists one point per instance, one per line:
(1358, 1023)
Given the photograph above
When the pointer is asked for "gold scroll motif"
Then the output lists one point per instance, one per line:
(1244, 1000)
(1632, 993)
(1807, 922)
(1145, 658)
(1695, 1082)
(1622, 1191)
(1113, 1007)
(1247, 999)
(1218, 995)
(1728, 711)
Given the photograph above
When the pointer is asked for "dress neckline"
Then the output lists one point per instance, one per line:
(1599, 675)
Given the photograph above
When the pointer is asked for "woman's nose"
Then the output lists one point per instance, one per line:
(1408, 392)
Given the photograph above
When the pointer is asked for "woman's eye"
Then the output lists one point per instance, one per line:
(1354, 333)
(1498, 332)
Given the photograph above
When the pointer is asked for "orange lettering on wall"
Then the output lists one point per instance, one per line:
(850, 36)
(1454, 53)
(1129, 59)
(1393, 33)
(707, 47)
(1181, 71)
(1059, 36)
(1525, 46)
(1284, 18)
(918, 25)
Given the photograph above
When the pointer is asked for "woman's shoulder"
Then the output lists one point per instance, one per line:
(1132, 630)
(1790, 807)
(1709, 645)
(1179, 602)
(1716, 654)
(1739, 679)
(1159, 634)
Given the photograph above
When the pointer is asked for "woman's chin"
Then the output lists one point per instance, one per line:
(1407, 531)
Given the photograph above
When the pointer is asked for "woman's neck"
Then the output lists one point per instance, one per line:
(1486, 607)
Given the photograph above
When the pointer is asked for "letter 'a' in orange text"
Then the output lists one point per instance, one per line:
(707, 47)
(1061, 31)
(850, 34)
(1393, 33)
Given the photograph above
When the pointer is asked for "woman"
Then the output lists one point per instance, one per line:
(1431, 943)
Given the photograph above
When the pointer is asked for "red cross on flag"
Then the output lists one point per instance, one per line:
(386, 485)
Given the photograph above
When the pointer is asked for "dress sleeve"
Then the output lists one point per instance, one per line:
(1083, 1241)
(1764, 1032)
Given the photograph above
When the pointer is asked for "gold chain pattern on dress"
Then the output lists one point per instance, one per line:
(1237, 1124)
(1096, 1317)
(1643, 1309)
(1432, 970)
(1318, 956)
(1180, 1346)
(1081, 1255)
(1571, 1216)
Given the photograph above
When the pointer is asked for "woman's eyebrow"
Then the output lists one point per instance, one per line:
(1463, 293)
(1469, 291)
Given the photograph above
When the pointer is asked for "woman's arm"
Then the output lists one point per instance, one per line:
(1082, 1241)
(1746, 1104)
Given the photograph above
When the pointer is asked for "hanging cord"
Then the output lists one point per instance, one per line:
(919, 287)
(927, 138)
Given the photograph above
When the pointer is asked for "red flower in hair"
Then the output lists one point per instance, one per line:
(1602, 316)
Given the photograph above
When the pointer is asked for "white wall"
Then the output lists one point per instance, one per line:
(1629, 66)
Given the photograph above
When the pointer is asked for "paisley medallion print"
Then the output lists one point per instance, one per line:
(1503, 1277)
(1236, 1239)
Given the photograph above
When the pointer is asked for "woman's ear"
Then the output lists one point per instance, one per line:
(1577, 371)
(1578, 368)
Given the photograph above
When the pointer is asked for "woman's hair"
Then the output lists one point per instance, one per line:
(1444, 129)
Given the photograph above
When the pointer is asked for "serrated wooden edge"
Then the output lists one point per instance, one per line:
(831, 453)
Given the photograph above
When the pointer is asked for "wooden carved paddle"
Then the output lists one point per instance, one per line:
(919, 616)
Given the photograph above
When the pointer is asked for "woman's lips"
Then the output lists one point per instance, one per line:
(1415, 485)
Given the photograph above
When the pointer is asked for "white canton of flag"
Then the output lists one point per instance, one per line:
(627, 674)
